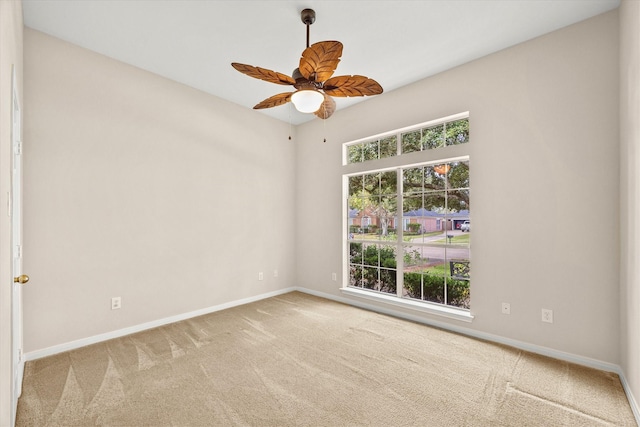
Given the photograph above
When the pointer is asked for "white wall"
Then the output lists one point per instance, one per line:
(112, 210)
(630, 191)
(139, 187)
(10, 55)
(544, 177)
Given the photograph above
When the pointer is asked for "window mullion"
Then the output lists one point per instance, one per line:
(399, 235)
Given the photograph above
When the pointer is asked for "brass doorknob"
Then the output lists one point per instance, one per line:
(21, 279)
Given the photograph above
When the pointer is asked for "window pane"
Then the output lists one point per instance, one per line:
(424, 274)
(412, 180)
(435, 203)
(355, 276)
(354, 226)
(457, 132)
(433, 261)
(371, 255)
(389, 182)
(354, 153)
(372, 182)
(458, 202)
(355, 185)
(433, 274)
(433, 288)
(433, 137)
(355, 253)
(412, 285)
(458, 293)
(411, 142)
(388, 147)
(388, 281)
(412, 206)
(459, 266)
(385, 212)
(459, 175)
(370, 277)
(370, 150)
(435, 177)
(413, 258)
(387, 256)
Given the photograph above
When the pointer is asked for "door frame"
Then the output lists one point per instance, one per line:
(17, 359)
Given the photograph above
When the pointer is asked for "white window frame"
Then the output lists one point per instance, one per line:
(398, 163)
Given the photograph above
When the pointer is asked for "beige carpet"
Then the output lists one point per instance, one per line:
(298, 360)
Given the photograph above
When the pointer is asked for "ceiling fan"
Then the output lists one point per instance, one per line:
(312, 79)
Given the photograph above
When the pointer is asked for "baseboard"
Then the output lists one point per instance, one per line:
(632, 400)
(556, 354)
(60, 348)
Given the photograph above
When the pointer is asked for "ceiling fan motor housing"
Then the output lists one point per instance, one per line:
(303, 83)
(308, 16)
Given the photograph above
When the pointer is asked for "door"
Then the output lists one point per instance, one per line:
(16, 248)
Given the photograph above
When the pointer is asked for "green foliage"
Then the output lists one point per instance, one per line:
(411, 142)
(372, 229)
(458, 293)
(414, 227)
(377, 271)
(355, 253)
(432, 287)
(412, 257)
(432, 137)
(425, 187)
(376, 194)
(451, 133)
(372, 150)
(388, 147)
(457, 132)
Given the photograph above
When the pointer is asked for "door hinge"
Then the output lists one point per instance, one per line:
(18, 149)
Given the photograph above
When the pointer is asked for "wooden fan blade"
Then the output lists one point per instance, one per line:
(263, 74)
(274, 101)
(352, 86)
(327, 108)
(320, 60)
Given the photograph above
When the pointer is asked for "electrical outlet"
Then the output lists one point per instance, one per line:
(275, 273)
(506, 308)
(334, 277)
(261, 276)
(116, 303)
(547, 315)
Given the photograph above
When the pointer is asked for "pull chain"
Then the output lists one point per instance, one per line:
(324, 126)
(289, 122)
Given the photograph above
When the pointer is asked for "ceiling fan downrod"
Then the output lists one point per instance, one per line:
(308, 17)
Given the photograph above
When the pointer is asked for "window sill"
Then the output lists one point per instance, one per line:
(437, 310)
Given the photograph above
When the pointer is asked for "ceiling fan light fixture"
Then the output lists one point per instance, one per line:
(307, 100)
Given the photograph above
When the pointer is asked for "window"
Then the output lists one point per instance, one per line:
(377, 148)
(405, 234)
(436, 250)
(441, 135)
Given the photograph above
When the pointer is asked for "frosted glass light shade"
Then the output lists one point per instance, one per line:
(307, 101)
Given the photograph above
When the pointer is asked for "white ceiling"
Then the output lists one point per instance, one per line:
(394, 42)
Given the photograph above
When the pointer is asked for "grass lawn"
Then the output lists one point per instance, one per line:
(458, 239)
(392, 237)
